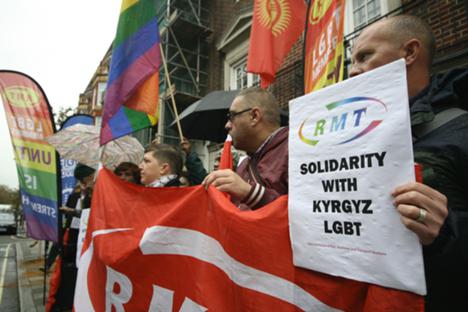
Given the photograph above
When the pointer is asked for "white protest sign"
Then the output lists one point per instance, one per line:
(349, 147)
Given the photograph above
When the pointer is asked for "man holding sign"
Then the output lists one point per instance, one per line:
(440, 140)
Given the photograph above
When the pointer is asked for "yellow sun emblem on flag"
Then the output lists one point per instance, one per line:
(274, 15)
(319, 9)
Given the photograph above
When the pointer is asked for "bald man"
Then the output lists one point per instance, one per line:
(437, 210)
(254, 125)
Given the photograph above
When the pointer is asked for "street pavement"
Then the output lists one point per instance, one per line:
(8, 282)
(30, 260)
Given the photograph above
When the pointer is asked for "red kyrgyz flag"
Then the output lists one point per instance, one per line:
(276, 26)
(191, 249)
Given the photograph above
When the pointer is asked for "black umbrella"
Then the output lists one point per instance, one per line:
(205, 119)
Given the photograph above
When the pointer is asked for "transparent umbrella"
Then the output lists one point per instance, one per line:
(81, 143)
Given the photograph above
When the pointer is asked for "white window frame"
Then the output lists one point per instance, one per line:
(100, 89)
(233, 60)
(252, 79)
(98, 121)
(365, 8)
(385, 7)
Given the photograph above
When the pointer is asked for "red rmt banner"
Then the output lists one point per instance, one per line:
(191, 249)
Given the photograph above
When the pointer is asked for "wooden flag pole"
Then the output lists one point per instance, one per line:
(168, 80)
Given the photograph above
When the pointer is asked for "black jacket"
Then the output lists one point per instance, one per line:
(173, 182)
(443, 154)
(69, 252)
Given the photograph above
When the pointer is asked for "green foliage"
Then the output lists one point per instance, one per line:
(11, 197)
(62, 115)
(8, 196)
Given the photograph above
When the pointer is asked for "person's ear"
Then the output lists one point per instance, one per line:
(164, 169)
(255, 115)
(412, 51)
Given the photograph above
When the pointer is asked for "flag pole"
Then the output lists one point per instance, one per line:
(168, 80)
(304, 46)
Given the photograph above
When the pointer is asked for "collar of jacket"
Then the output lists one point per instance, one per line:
(444, 91)
(163, 181)
(276, 137)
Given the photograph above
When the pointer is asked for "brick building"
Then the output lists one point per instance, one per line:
(206, 45)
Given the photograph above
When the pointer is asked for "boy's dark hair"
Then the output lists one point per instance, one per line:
(168, 154)
(82, 171)
(129, 166)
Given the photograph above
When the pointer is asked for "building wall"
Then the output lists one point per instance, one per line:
(289, 82)
(449, 22)
(448, 19)
(224, 12)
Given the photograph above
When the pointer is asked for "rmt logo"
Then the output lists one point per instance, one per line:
(346, 121)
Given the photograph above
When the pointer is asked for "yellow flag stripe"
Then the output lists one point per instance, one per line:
(35, 155)
(153, 119)
(126, 4)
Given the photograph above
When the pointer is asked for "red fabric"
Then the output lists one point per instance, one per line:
(418, 172)
(233, 254)
(54, 282)
(226, 157)
(324, 48)
(276, 26)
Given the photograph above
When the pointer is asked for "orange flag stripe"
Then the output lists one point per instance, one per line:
(145, 96)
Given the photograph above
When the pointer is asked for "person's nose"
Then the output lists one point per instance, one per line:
(355, 70)
(228, 126)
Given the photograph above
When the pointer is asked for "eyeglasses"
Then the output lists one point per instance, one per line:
(231, 115)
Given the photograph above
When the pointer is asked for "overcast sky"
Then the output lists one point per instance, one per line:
(59, 43)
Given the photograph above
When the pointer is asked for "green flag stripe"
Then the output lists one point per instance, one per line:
(133, 18)
(138, 120)
(38, 183)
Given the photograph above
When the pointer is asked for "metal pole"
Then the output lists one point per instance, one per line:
(45, 272)
(184, 59)
(181, 136)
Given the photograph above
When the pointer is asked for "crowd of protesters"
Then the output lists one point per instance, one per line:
(435, 210)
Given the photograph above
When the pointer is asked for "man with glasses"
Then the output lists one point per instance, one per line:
(254, 125)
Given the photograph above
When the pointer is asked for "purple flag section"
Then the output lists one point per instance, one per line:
(30, 120)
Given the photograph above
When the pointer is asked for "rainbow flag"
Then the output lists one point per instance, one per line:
(132, 90)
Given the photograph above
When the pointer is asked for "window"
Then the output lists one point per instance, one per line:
(364, 11)
(240, 78)
(235, 45)
(98, 121)
(255, 80)
(359, 13)
(101, 89)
